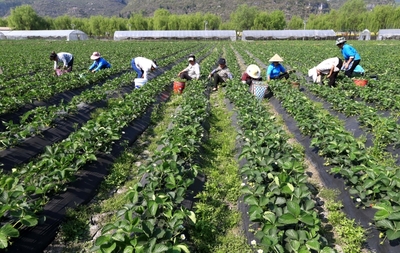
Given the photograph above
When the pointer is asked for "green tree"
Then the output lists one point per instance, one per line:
(24, 17)
(137, 22)
(63, 23)
(213, 21)
(295, 23)
(160, 19)
(243, 17)
(278, 20)
(3, 22)
(351, 15)
(262, 21)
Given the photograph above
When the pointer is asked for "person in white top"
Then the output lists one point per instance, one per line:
(142, 66)
(329, 68)
(66, 59)
(192, 71)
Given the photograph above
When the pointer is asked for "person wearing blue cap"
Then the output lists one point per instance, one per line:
(221, 74)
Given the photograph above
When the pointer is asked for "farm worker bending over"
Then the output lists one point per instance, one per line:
(221, 74)
(329, 67)
(275, 70)
(192, 71)
(66, 59)
(350, 55)
(252, 73)
(142, 66)
(99, 62)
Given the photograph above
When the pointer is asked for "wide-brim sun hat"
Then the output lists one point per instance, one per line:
(276, 58)
(253, 71)
(340, 40)
(95, 56)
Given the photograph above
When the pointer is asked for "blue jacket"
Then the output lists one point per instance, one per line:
(349, 51)
(274, 71)
(100, 64)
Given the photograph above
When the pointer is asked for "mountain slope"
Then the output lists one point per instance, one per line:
(86, 8)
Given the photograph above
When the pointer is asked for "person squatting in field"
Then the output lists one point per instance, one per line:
(99, 62)
(276, 70)
(66, 59)
(192, 71)
(142, 66)
(252, 73)
(351, 56)
(221, 74)
(329, 68)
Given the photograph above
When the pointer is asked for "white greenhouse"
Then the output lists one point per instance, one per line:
(365, 35)
(287, 34)
(46, 34)
(176, 34)
(387, 34)
(2, 36)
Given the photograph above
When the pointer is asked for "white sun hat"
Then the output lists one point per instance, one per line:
(253, 71)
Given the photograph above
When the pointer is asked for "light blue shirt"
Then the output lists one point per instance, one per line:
(274, 71)
(349, 51)
(100, 64)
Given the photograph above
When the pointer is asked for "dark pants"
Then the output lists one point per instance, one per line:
(217, 79)
(281, 76)
(185, 75)
(70, 64)
(333, 76)
(349, 72)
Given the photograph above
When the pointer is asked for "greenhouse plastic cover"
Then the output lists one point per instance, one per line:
(178, 34)
(388, 34)
(47, 34)
(286, 34)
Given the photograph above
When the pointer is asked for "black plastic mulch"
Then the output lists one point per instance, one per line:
(362, 216)
(83, 189)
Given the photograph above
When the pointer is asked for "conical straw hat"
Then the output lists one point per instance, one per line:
(276, 58)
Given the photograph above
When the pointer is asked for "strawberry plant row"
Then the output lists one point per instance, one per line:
(155, 220)
(52, 170)
(43, 86)
(275, 186)
(34, 121)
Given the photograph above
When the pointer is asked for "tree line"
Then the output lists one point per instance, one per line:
(352, 16)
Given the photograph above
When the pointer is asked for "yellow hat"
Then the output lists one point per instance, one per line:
(276, 58)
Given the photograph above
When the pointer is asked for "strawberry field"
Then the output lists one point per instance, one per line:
(201, 171)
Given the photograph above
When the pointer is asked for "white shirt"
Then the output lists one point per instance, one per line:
(145, 65)
(325, 66)
(193, 70)
(63, 57)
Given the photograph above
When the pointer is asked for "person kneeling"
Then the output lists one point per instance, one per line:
(192, 71)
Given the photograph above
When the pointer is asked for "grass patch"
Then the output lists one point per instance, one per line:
(218, 221)
(348, 234)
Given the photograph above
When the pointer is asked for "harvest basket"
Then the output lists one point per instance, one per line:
(139, 82)
(360, 82)
(179, 87)
(259, 89)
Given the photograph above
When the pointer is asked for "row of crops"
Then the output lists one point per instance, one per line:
(275, 183)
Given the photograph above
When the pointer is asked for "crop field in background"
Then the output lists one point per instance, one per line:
(53, 130)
